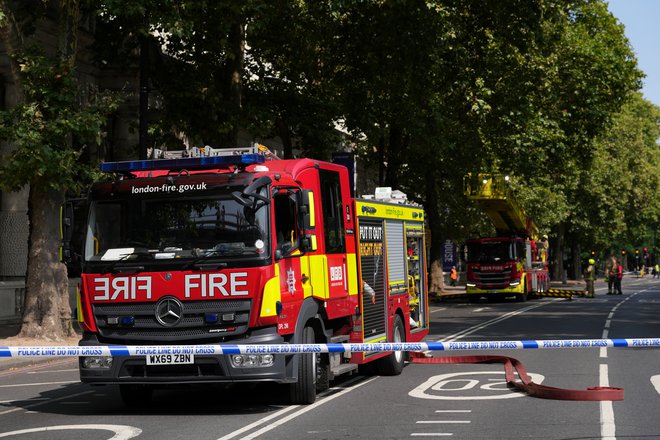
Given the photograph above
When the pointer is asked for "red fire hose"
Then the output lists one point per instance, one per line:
(525, 384)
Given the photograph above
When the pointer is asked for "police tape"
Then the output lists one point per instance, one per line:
(287, 349)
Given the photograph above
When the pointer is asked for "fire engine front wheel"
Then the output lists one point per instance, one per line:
(392, 364)
(522, 297)
(304, 390)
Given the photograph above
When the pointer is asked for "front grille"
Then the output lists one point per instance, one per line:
(191, 327)
(493, 279)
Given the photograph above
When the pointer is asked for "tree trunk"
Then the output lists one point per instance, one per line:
(47, 313)
(237, 58)
(557, 245)
(381, 160)
(436, 282)
(394, 156)
(577, 264)
(283, 131)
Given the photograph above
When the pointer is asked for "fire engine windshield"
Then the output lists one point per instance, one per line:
(143, 229)
(491, 252)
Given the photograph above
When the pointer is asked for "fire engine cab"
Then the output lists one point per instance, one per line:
(513, 263)
(213, 246)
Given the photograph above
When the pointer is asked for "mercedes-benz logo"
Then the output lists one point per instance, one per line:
(169, 311)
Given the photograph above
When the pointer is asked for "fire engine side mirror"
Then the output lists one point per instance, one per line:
(305, 209)
(286, 250)
(306, 241)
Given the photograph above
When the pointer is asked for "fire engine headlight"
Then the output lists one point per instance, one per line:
(514, 283)
(97, 362)
(252, 360)
(470, 284)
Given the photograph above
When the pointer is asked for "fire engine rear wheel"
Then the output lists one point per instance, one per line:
(304, 390)
(392, 364)
(322, 372)
(135, 395)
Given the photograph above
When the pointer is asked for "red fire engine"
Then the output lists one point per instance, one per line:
(237, 247)
(512, 263)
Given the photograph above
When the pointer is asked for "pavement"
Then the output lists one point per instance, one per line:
(8, 339)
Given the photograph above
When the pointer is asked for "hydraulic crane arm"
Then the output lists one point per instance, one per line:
(492, 193)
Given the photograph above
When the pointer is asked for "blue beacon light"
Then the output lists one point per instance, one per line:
(187, 163)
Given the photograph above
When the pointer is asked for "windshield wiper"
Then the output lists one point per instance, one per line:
(219, 250)
(118, 266)
(202, 263)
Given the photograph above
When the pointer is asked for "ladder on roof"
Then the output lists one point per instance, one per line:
(208, 151)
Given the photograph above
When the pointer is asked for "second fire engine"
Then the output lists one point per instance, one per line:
(515, 261)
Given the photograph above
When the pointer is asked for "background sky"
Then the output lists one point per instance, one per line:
(641, 19)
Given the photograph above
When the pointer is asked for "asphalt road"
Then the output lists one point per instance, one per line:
(456, 401)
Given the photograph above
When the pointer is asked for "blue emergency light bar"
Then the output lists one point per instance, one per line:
(183, 163)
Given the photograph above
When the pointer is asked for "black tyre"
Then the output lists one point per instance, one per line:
(304, 390)
(392, 364)
(135, 395)
(322, 372)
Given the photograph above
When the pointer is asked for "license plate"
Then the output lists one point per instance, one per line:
(170, 359)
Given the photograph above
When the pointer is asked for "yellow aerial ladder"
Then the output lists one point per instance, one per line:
(492, 193)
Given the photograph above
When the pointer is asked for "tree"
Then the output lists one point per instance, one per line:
(597, 72)
(49, 129)
(620, 200)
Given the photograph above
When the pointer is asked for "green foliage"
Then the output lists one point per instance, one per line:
(429, 91)
(623, 183)
(50, 129)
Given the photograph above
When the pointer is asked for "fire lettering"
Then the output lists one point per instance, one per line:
(125, 287)
(208, 285)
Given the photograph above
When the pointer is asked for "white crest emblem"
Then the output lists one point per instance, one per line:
(291, 281)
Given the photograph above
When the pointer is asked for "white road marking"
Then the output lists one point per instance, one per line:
(453, 410)
(38, 384)
(45, 402)
(443, 421)
(471, 330)
(655, 380)
(439, 309)
(607, 426)
(259, 422)
(53, 371)
(122, 432)
(300, 412)
(452, 386)
(431, 434)
(34, 399)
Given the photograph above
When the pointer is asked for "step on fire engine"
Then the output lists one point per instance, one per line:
(512, 263)
(217, 246)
